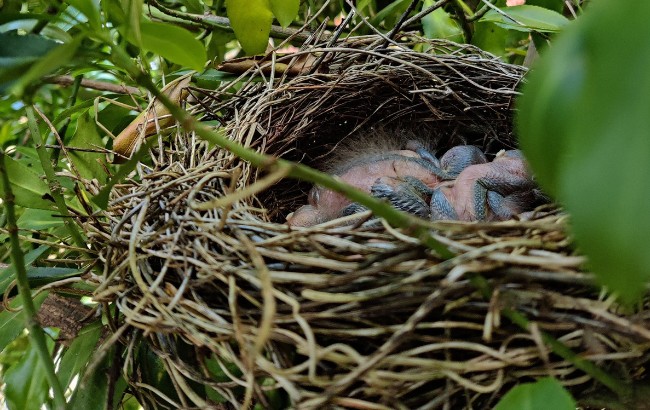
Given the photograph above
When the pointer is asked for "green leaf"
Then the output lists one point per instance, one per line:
(285, 10)
(251, 20)
(544, 394)
(77, 355)
(555, 5)
(26, 383)
(583, 124)
(490, 37)
(28, 188)
(17, 53)
(438, 24)
(38, 220)
(93, 389)
(40, 276)
(90, 9)
(13, 323)
(133, 30)
(388, 11)
(56, 58)
(531, 17)
(89, 164)
(173, 43)
(7, 275)
(193, 6)
(72, 110)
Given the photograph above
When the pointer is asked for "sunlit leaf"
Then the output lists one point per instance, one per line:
(173, 43)
(27, 186)
(26, 384)
(530, 17)
(285, 10)
(251, 20)
(88, 163)
(545, 394)
(438, 24)
(584, 127)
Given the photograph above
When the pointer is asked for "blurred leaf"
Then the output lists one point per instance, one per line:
(38, 220)
(133, 29)
(13, 323)
(388, 11)
(27, 186)
(544, 394)
(217, 44)
(18, 52)
(285, 10)
(490, 37)
(93, 388)
(90, 9)
(54, 59)
(251, 20)
(532, 18)
(86, 136)
(26, 384)
(173, 43)
(555, 5)
(193, 6)
(586, 105)
(438, 24)
(77, 355)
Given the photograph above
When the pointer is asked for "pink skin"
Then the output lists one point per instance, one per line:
(461, 194)
(325, 204)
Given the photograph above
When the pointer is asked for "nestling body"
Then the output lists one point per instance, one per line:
(462, 185)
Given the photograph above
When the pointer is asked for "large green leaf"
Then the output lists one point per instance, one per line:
(13, 323)
(530, 17)
(132, 30)
(93, 389)
(89, 164)
(28, 188)
(26, 384)
(77, 355)
(173, 43)
(438, 24)
(584, 127)
(545, 394)
(251, 20)
(285, 10)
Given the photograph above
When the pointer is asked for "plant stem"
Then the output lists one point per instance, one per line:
(558, 347)
(460, 12)
(481, 12)
(53, 184)
(36, 333)
(412, 225)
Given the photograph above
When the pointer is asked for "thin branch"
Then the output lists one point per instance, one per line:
(92, 84)
(481, 12)
(460, 12)
(71, 102)
(36, 333)
(402, 19)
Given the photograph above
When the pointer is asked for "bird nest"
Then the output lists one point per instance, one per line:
(243, 310)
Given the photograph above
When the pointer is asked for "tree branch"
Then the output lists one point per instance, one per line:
(92, 84)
